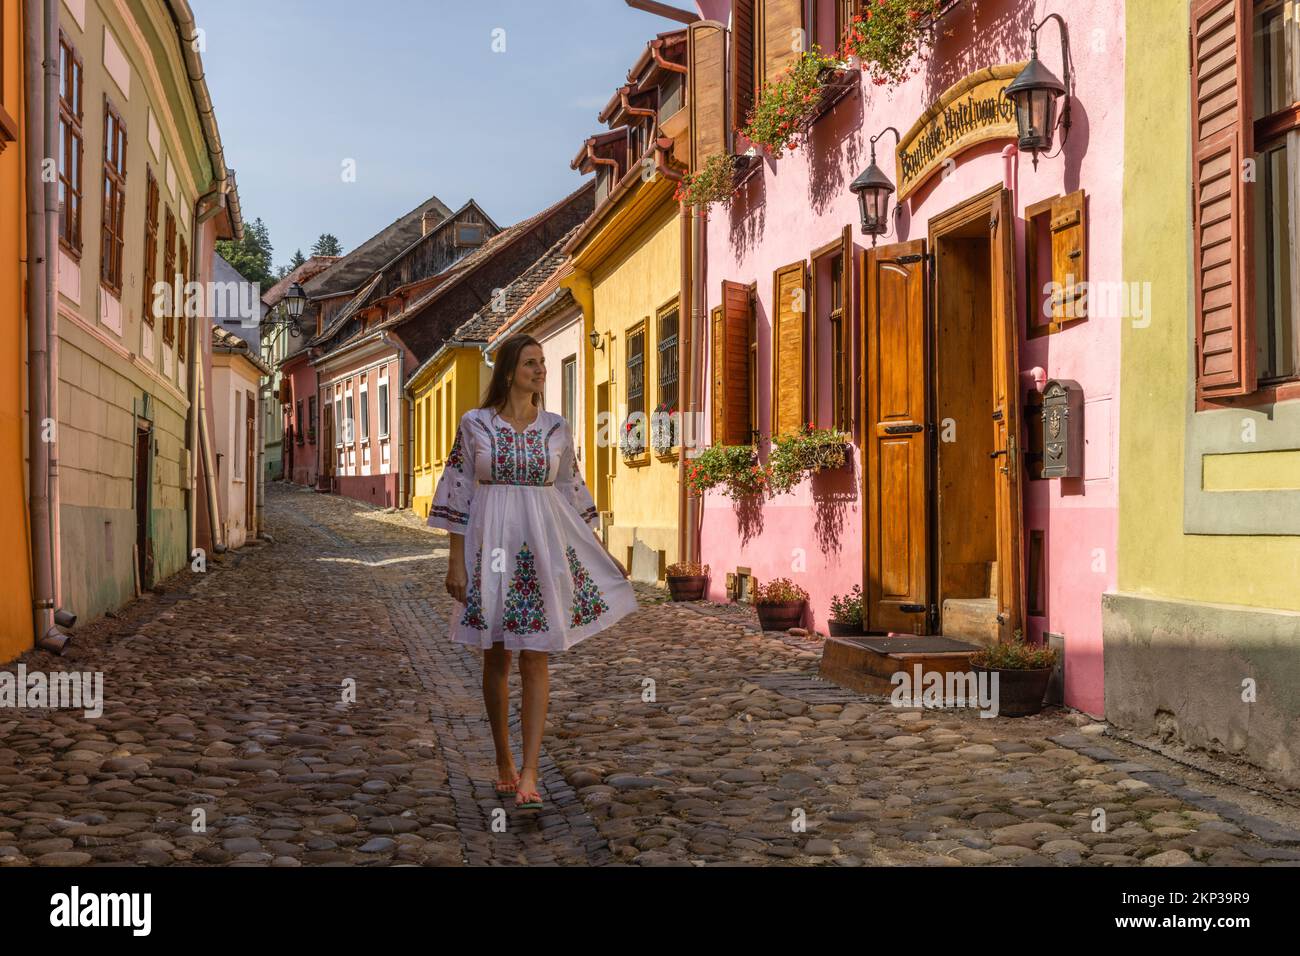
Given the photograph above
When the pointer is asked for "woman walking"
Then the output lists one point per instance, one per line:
(525, 567)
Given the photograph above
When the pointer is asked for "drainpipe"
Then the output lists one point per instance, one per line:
(1010, 164)
(41, 304)
(402, 412)
(206, 207)
(694, 504)
(655, 47)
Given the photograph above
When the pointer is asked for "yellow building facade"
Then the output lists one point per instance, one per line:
(15, 559)
(627, 278)
(444, 389)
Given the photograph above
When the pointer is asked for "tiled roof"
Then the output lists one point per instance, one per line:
(503, 308)
(358, 265)
(224, 341)
(312, 267)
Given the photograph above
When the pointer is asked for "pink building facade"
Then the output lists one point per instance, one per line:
(794, 210)
(361, 435)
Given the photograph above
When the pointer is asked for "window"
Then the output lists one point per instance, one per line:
(311, 419)
(150, 246)
(339, 424)
(1244, 261)
(169, 276)
(789, 355)
(668, 322)
(839, 348)
(297, 422)
(114, 216)
(469, 234)
(733, 361)
(383, 408)
(569, 392)
(71, 139)
(183, 257)
(349, 422)
(1277, 151)
(636, 373)
(365, 414)
(1056, 264)
(8, 126)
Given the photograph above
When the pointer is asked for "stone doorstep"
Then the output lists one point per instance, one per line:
(859, 668)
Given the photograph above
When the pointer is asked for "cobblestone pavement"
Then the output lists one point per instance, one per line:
(681, 736)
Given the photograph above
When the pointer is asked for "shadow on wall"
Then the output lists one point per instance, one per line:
(974, 36)
(748, 215)
(834, 495)
(836, 144)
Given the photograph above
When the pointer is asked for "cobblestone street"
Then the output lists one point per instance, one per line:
(225, 694)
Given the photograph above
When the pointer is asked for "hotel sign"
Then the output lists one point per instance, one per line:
(973, 110)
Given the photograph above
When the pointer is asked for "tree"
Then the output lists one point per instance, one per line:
(297, 260)
(327, 245)
(251, 256)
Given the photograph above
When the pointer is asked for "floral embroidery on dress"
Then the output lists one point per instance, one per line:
(503, 454)
(535, 465)
(588, 602)
(525, 609)
(456, 457)
(473, 616)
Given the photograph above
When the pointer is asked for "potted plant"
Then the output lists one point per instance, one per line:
(887, 35)
(804, 453)
(734, 468)
(846, 613)
(663, 429)
(1023, 670)
(713, 182)
(686, 580)
(631, 439)
(776, 122)
(779, 603)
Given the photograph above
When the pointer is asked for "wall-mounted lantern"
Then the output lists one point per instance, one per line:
(597, 343)
(294, 301)
(873, 189)
(1035, 93)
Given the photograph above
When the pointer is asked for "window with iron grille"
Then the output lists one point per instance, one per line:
(668, 323)
(71, 115)
(114, 215)
(311, 419)
(297, 419)
(636, 371)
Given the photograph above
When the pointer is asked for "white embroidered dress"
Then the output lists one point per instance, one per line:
(538, 578)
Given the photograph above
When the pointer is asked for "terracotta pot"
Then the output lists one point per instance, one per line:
(845, 628)
(687, 587)
(1020, 692)
(780, 617)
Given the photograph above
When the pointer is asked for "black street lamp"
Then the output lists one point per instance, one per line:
(1035, 93)
(294, 301)
(873, 188)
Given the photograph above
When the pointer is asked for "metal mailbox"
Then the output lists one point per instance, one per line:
(1063, 429)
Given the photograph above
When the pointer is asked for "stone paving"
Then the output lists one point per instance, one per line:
(682, 736)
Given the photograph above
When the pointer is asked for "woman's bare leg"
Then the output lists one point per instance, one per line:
(496, 697)
(537, 690)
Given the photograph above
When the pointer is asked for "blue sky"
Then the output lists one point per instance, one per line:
(412, 91)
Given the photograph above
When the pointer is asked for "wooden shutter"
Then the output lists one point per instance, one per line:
(1069, 228)
(782, 35)
(742, 61)
(848, 310)
(790, 296)
(1221, 141)
(706, 56)
(731, 323)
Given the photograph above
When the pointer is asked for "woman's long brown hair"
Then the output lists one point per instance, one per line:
(504, 369)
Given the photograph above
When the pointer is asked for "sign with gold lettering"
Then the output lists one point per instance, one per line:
(973, 110)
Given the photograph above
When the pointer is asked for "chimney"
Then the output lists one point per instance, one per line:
(427, 222)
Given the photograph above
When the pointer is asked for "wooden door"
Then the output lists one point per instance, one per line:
(1006, 420)
(895, 434)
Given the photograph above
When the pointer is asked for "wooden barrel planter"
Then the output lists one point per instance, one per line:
(845, 628)
(1020, 692)
(689, 587)
(780, 617)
